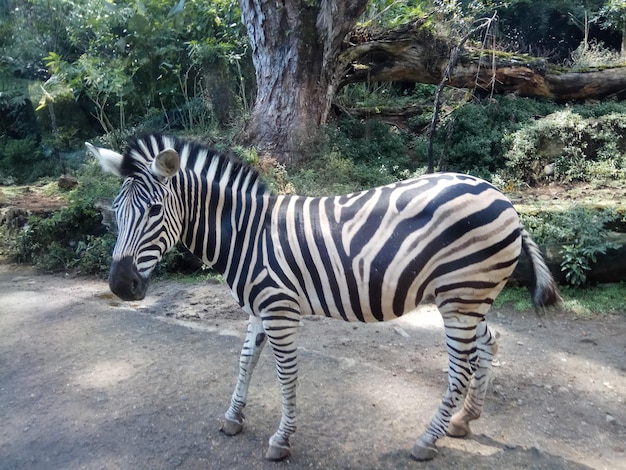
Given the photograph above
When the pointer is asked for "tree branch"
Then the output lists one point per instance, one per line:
(454, 55)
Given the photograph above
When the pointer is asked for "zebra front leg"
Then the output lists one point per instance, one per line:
(281, 332)
(252, 347)
(475, 399)
(461, 346)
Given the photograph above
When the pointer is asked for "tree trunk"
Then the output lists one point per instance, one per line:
(623, 48)
(295, 45)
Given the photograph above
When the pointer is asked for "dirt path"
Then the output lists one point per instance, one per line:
(87, 381)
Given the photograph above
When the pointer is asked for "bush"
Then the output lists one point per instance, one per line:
(23, 161)
(594, 54)
(356, 155)
(73, 237)
(582, 232)
(589, 240)
(576, 148)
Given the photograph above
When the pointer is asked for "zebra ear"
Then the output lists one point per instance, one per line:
(110, 161)
(166, 164)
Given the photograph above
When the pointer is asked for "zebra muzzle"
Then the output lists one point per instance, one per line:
(125, 281)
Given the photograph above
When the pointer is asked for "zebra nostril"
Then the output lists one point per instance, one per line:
(125, 281)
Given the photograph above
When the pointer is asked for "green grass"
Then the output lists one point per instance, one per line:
(199, 277)
(603, 299)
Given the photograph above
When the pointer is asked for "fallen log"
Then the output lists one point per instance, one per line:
(413, 53)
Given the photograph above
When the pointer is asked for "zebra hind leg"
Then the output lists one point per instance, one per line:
(250, 353)
(460, 331)
(475, 399)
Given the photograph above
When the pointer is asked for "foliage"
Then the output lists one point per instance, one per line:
(551, 28)
(73, 237)
(474, 137)
(17, 117)
(391, 13)
(594, 54)
(578, 148)
(22, 161)
(589, 240)
(123, 59)
(613, 14)
(356, 155)
(582, 232)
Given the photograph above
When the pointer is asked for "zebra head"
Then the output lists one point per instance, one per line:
(146, 210)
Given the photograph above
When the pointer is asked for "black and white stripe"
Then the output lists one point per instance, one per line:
(369, 256)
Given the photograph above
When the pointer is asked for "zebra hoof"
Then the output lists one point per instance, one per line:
(231, 428)
(422, 451)
(458, 428)
(277, 453)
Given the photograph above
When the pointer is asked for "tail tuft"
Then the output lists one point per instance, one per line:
(543, 288)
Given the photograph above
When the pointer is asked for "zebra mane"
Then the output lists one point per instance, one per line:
(141, 151)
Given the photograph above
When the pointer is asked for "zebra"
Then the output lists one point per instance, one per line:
(368, 256)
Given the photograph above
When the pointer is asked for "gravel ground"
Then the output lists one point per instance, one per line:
(88, 381)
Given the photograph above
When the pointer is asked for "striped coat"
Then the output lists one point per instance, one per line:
(369, 256)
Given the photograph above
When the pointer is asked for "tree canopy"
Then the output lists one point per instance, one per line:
(191, 64)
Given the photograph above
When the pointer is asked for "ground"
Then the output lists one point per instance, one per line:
(38, 197)
(88, 381)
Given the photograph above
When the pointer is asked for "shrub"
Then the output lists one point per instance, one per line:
(73, 237)
(589, 240)
(474, 137)
(356, 155)
(577, 148)
(582, 232)
(594, 54)
(23, 161)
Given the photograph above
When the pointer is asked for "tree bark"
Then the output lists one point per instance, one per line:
(295, 45)
(413, 54)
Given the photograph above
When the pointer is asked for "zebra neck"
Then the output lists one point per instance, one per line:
(223, 219)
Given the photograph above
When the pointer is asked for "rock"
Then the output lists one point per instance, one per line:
(14, 218)
(108, 214)
(401, 331)
(67, 182)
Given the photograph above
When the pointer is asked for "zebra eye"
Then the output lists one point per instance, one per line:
(154, 210)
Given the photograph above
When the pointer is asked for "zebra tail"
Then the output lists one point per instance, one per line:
(543, 288)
